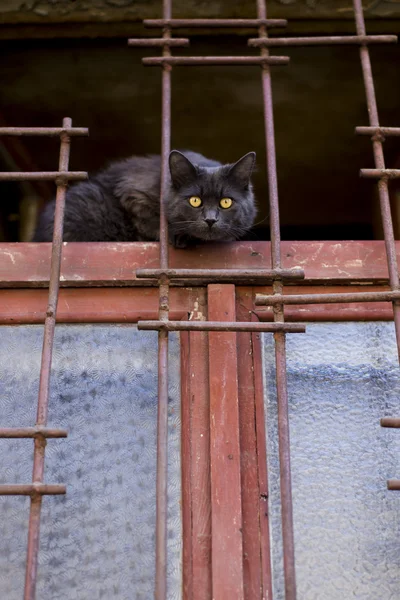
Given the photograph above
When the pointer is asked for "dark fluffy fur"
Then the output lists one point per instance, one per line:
(121, 203)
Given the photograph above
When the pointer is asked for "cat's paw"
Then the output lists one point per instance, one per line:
(181, 241)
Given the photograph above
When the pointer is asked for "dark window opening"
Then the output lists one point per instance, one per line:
(318, 100)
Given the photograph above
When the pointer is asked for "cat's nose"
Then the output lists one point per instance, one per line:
(210, 222)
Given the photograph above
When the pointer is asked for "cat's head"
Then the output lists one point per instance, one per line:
(210, 203)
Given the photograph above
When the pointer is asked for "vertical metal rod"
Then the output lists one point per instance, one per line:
(162, 418)
(383, 190)
(44, 383)
(280, 340)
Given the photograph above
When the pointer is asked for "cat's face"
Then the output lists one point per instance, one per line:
(210, 203)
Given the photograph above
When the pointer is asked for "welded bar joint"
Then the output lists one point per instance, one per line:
(383, 131)
(32, 432)
(44, 131)
(380, 173)
(32, 489)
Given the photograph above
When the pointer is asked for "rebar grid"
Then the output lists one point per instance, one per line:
(166, 61)
(277, 300)
(40, 432)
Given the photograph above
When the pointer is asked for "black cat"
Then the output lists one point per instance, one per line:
(205, 201)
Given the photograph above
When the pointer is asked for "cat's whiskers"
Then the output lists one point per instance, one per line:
(262, 221)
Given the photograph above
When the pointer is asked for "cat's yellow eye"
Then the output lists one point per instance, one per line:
(195, 201)
(225, 202)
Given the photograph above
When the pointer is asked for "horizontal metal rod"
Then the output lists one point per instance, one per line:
(43, 176)
(159, 42)
(385, 131)
(214, 60)
(224, 275)
(324, 40)
(221, 326)
(189, 23)
(269, 300)
(31, 432)
(393, 484)
(32, 489)
(44, 131)
(380, 173)
(393, 422)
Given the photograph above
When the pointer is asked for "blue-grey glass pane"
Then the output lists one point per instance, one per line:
(342, 378)
(98, 540)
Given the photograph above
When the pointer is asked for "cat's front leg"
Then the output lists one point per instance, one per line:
(180, 241)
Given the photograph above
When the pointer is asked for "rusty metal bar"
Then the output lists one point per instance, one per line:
(279, 337)
(393, 484)
(159, 42)
(44, 382)
(334, 40)
(380, 166)
(384, 131)
(163, 313)
(192, 23)
(221, 326)
(32, 432)
(32, 489)
(265, 300)
(152, 61)
(43, 176)
(223, 275)
(44, 131)
(392, 422)
(380, 173)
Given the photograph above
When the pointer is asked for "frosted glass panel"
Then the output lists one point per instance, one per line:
(97, 541)
(342, 379)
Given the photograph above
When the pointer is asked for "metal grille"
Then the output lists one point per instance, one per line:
(277, 275)
(165, 276)
(37, 489)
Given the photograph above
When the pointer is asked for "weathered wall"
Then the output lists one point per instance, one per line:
(105, 10)
(55, 18)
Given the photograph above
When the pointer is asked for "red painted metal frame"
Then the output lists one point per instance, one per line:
(111, 264)
(130, 305)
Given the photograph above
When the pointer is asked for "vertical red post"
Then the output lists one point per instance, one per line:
(266, 566)
(256, 545)
(226, 504)
(196, 496)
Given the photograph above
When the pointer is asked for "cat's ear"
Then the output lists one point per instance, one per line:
(242, 169)
(181, 169)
